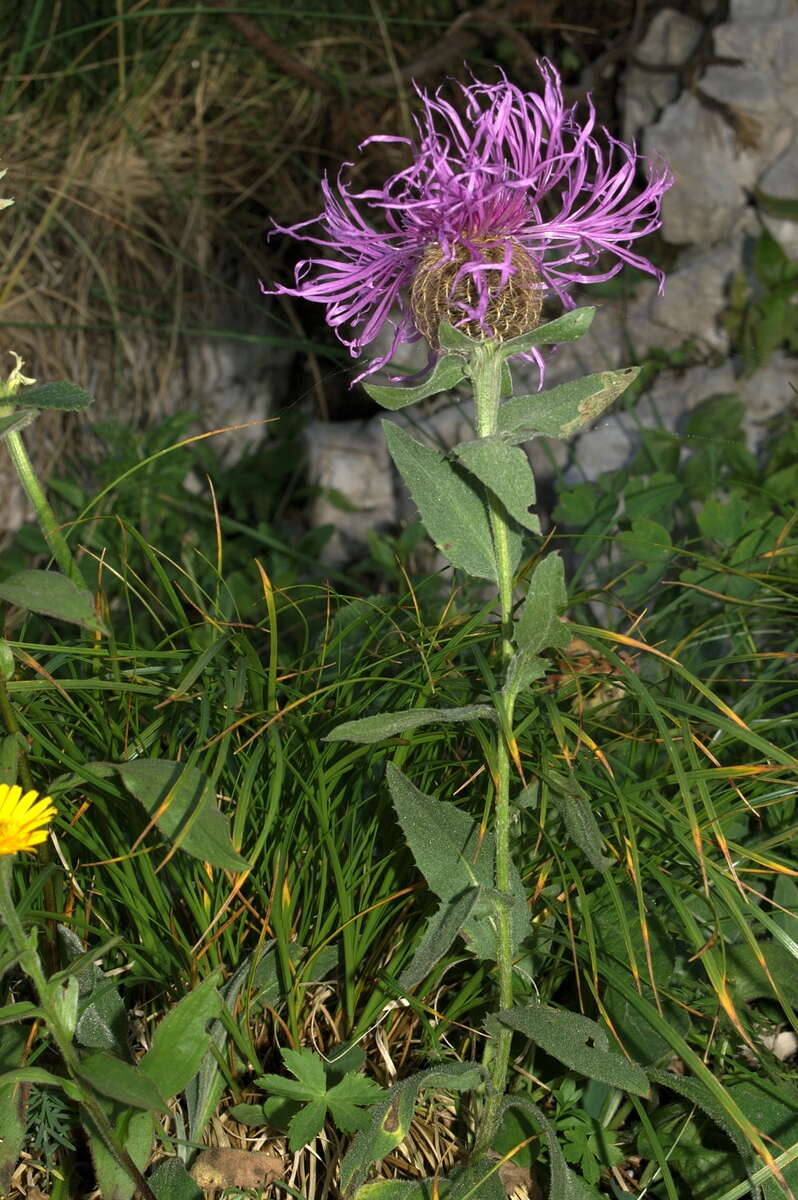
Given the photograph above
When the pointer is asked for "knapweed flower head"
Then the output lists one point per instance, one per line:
(512, 201)
(24, 818)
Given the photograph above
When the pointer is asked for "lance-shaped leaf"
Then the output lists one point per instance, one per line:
(451, 507)
(567, 328)
(577, 814)
(566, 1036)
(539, 626)
(182, 802)
(506, 472)
(563, 410)
(181, 1039)
(441, 931)
(447, 373)
(386, 725)
(390, 1121)
(454, 339)
(455, 855)
(62, 396)
(121, 1081)
(53, 595)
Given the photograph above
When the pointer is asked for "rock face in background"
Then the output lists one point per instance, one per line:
(732, 132)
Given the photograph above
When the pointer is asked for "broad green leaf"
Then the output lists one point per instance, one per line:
(248, 1114)
(101, 1018)
(647, 541)
(522, 670)
(43, 1078)
(400, 1189)
(539, 626)
(773, 1108)
(306, 1124)
(694, 1091)
(476, 1181)
(506, 472)
(52, 594)
(577, 814)
(451, 508)
(385, 725)
(23, 1010)
(308, 1068)
(182, 802)
(181, 1040)
(566, 1036)
(447, 373)
(171, 1181)
(563, 410)
(19, 419)
(13, 1100)
(65, 397)
(136, 1130)
(121, 1081)
(390, 1121)
(567, 328)
(441, 931)
(454, 855)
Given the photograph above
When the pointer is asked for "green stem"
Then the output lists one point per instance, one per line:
(44, 513)
(31, 965)
(9, 718)
(486, 373)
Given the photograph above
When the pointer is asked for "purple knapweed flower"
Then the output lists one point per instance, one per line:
(512, 201)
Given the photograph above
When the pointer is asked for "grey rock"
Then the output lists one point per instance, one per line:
(781, 180)
(695, 294)
(669, 41)
(349, 460)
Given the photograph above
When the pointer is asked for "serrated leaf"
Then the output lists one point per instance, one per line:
(385, 725)
(452, 510)
(182, 802)
(506, 472)
(65, 397)
(566, 1036)
(53, 595)
(539, 626)
(306, 1124)
(567, 328)
(563, 410)
(390, 1121)
(19, 419)
(181, 1040)
(454, 855)
(308, 1069)
(356, 1089)
(447, 373)
(122, 1082)
(441, 931)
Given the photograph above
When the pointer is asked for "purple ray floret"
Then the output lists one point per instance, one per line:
(518, 168)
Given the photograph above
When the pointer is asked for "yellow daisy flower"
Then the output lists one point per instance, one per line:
(23, 818)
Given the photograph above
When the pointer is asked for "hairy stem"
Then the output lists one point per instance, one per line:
(31, 965)
(44, 513)
(486, 371)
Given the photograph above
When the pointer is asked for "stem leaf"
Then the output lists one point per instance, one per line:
(577, 815)
(386, 725)
(65, 397)
(121, 1081)
(455, 855)
(450, 507)
(53, 595)
(567, 328)
(563, 410)
(447, 373)
(390, 1120)
(181, 1041)
(17, 420)
(566, 1036)
(441, 931)
(506, 472)
(539, 626)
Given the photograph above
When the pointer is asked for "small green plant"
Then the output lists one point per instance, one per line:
(762, 316)
(317, 1091)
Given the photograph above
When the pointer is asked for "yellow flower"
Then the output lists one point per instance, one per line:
(23, 818)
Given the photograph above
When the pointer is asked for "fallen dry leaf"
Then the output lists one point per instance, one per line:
(223, 1168)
